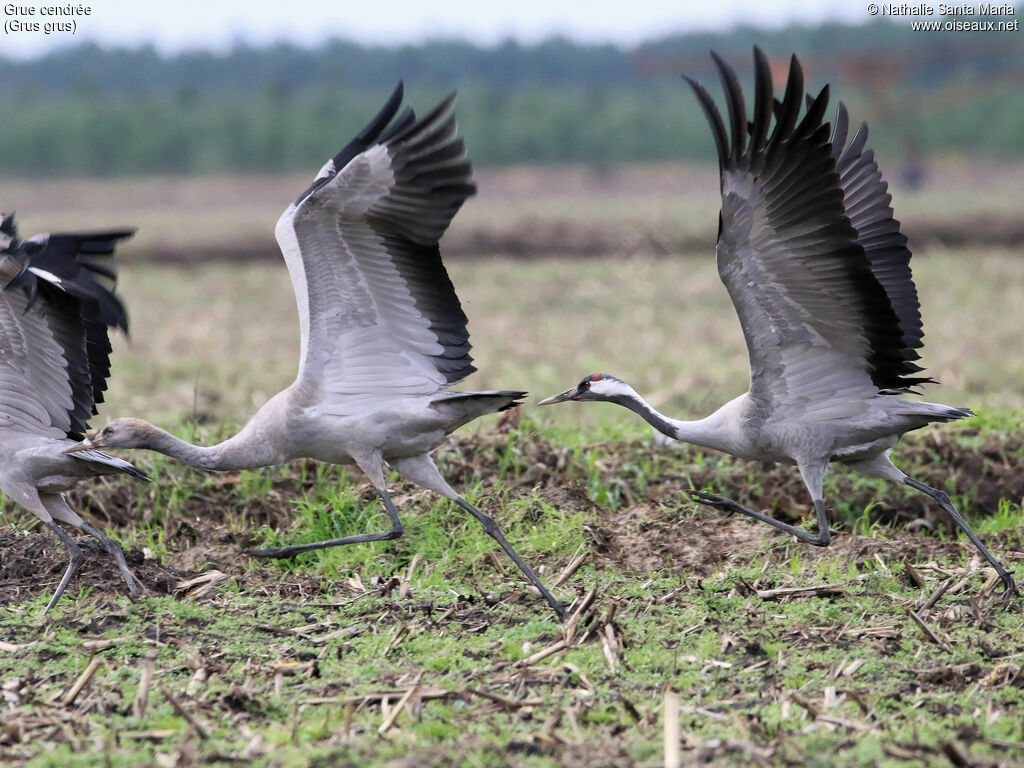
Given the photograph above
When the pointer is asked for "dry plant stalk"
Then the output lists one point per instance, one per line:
(14, 647)
(203, 584)
(573, 623)
(102, 644)
(928, 631)
(914, 576)
(610, 646)
(822, 590)
(403, 589)
(141, 700)
(506, 702)
(670, 715)
(393, 715)
(173, 701)
(935, 596)
(82, 681)
(578, 559)
(542, 654)
(396, 638)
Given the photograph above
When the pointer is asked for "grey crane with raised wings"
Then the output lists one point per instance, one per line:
(383, 335)
(819, 274)
(54, 364)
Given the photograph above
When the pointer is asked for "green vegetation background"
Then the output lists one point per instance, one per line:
(91, 111)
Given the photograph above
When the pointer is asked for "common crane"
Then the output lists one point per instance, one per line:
(54, 363)
(383, 335)
(819, 274)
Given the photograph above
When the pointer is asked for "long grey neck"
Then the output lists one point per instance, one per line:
(707, 433)
(238, 452)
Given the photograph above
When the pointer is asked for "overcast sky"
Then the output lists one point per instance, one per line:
(218, 24)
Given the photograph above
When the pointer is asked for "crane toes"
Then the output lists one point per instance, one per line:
(273, 552)
(710, 499)
(114, 549)
(1010, 593)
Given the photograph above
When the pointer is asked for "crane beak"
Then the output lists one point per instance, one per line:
(569, 394)
(85, 445)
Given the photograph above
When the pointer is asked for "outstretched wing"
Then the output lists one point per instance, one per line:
(54, 313)
(83, 290)
(866, 201)
(819, 325)
(378, 313)
(36, 394)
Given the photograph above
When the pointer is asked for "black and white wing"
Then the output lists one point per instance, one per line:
(54, 313)
(378, 314)
(828, 310)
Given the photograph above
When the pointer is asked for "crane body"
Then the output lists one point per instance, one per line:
(383, 334)
(54, 361)
(819, 274)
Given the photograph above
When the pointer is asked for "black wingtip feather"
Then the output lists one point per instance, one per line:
(734, 103)
(371, 133)
(812, 119)
(762, 102)
(714, 118)
(790, 109)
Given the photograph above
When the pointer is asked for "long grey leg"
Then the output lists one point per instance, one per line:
(75, 560)
(946, 503)
(813, 475)
(422, 471)
(393, 532)
(115, 551)
(491, 529)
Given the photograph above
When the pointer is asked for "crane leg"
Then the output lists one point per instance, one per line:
(813, 475)
(820, 539)
(115, 551)
(393, 532)
(75, 559)
(491, 529)
(943, 500)
(422, 471)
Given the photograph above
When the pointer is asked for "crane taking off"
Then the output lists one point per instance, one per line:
(54, 363)
(383, 335)
(819, 274)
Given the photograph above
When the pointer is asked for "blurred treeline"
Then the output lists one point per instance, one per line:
(92, 111)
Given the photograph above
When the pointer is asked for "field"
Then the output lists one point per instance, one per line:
(695, 638)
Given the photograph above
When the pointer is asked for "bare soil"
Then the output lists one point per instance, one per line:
(656, 530)
(539, 238)
(653, 531)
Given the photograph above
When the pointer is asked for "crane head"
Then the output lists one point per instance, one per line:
(596, 386)
(120, 433)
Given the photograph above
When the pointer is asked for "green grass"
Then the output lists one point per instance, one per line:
(761, 679)
(740, 665)
(846, 678)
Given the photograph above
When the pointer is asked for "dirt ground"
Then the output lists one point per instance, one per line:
(646, 533)
(651, 533)
(519, 212)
